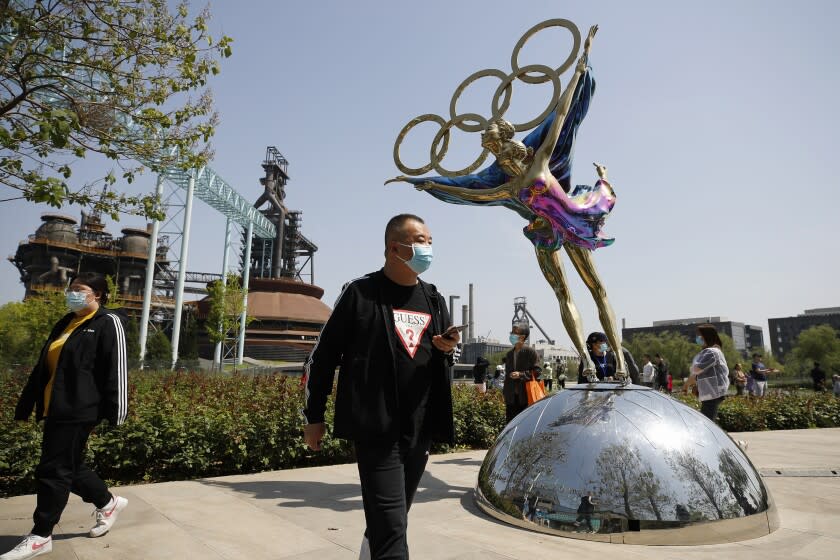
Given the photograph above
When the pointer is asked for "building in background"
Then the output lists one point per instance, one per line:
(482, 347)
(59, 250)
(557, 354)
(744, 336)
(547, 352)
(785, 330)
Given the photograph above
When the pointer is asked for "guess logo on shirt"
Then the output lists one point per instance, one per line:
(411, 325)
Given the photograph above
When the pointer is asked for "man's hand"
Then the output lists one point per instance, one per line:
(446, 344)
(313, 434)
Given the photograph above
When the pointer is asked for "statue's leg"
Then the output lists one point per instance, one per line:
(585, 266)
(552, 269)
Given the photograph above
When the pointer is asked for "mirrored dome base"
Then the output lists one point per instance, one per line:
(623, 464)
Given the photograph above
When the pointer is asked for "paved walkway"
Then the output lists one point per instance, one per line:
(316, 514)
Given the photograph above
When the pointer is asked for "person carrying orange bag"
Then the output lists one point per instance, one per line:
(519, 362)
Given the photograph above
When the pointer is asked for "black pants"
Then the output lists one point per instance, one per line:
(586, 518)
(513, 409)
(709, 408)
(389, 474)
(62, 470)
(548, 384)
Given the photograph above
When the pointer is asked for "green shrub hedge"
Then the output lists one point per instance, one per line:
(190, 425)
(779, 410)
(187, 425)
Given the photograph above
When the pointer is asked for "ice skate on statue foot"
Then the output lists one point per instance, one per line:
(622, 378)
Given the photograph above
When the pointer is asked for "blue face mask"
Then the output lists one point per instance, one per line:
(604, 347)
(699, 340)
(76, 300)
(421, 258)
(514, 339)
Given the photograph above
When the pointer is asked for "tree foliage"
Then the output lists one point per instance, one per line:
(226, 305)
(188, 340)
(158, 351)
(110, 77)
(25, 326)
(673, 347)
(817, 344)
(678, 352)
(132, 327)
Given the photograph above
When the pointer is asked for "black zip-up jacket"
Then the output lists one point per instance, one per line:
(360, 338)
(91, 381)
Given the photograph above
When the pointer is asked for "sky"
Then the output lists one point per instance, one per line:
(717, 121)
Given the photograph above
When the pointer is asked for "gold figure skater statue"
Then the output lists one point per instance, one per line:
(533, 178)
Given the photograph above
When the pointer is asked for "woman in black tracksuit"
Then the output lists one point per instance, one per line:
(80, 379)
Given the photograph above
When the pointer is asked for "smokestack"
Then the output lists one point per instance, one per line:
(471, 336)
(465, 321)
(452, 317)
(623, 323)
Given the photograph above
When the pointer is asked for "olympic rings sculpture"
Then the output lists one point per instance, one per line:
(473, 122)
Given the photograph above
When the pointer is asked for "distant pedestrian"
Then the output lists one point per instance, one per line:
(548, 376)
(561, 375)
(498, 378)
(648, 372)
(818, 376)
(759, 375)
(836, 379)
(480, 374)
(661, 373)
(520, 363)
(739, 379)
(709, 372)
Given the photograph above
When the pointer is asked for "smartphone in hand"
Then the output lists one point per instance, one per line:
(450, 332)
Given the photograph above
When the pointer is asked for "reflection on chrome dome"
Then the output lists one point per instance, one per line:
(656, 471)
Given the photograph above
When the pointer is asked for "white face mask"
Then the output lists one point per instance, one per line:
(76, 300)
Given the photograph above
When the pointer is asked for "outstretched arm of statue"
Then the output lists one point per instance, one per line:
(602, 174)
(543, 153)
(501, 192)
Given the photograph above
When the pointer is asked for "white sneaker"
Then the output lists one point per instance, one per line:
(30, 547)
(107, 516)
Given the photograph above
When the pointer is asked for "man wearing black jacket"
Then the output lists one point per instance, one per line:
(389, 336)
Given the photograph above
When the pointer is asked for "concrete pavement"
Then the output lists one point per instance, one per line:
(316, 514)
